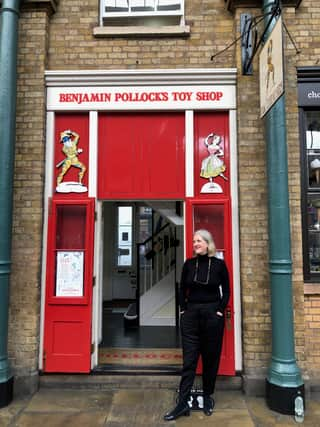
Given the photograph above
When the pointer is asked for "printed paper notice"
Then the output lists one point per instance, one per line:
(69, 274)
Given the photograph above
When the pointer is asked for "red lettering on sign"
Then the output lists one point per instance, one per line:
(141, 97)
(209, 96)
(79, 98)
(181, 96)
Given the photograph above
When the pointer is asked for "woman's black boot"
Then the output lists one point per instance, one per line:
(181, 409)
(208, 405)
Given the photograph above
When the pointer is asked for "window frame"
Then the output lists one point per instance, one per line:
(118, 243)
(306, 192)
(106, 19)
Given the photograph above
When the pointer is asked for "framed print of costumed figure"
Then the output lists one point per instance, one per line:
(70, 140)
(213, 165)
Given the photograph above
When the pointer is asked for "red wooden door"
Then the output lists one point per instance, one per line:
(68, 307)
(215, 216)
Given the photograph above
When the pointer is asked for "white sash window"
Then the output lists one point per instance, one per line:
(134, 12)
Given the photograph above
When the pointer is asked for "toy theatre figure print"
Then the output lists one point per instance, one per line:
(70, 140)
(213, 166)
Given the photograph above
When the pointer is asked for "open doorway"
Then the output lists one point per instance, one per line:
(142, 259)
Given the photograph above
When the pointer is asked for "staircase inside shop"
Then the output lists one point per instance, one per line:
(157, 278)
(156, 298)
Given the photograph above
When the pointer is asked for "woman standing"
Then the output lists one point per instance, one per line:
(204, 295)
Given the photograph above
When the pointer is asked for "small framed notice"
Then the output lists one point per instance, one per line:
(69, 278)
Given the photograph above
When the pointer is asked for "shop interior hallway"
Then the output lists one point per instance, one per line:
(137, 348)
(115, 334)
(142, 258)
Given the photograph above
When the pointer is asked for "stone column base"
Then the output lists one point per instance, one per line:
(26, 385)
(282, 399)
(6, 392)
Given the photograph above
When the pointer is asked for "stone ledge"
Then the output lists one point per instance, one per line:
(255, 385)
(127, 381)
(312, 288)
(26, 385)
(142, 31)
(314, 385)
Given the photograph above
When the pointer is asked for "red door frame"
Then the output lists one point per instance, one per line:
(67, 331)
(227, 362)
(64, 315)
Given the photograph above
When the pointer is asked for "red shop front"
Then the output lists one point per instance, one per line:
(127, 165)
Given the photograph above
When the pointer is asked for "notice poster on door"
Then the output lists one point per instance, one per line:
(69, 279)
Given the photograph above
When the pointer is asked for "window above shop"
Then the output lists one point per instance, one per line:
(131, 11)
(141, 17)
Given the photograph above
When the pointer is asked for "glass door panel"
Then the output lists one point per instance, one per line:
(215, 216)
(211, 218)
(70, 250)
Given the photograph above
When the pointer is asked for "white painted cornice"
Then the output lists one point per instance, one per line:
(188, 76)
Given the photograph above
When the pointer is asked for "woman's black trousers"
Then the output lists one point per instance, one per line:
(202, 335)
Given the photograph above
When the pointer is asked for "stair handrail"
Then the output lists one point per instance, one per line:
(154, 235)
(150, 239)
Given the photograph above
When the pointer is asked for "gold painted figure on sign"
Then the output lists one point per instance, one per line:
(212, 166)
(70, 149)
(270, 66)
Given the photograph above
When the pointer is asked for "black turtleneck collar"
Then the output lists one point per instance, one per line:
(203, 257)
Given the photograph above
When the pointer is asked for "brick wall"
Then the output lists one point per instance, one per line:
(253, 220)
(305, 29)
(312, 330)
(66, 42)
(73, 46)
(28, 199)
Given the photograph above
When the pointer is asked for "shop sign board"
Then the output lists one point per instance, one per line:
(271, 69)
(141, 98)
(309, 94)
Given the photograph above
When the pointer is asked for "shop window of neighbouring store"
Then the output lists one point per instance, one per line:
(141, 17)
(310, 131)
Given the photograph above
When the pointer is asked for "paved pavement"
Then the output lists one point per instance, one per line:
(62, 407)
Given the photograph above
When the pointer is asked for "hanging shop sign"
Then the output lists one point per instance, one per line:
(127, 98)
(271, 69)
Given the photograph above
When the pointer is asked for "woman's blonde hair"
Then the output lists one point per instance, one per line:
(207, 237)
